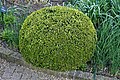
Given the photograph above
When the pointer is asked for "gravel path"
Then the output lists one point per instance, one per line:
(11, 71)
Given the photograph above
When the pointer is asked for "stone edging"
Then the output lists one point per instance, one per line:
(16, 57)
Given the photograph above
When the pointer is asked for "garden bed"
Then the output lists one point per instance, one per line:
(12, 53)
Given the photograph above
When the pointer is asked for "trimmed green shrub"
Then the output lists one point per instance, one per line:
(57, 38)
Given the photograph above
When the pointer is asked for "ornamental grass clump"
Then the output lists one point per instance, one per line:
(57, 38)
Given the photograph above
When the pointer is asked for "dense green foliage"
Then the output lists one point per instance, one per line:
(57, 38)
(105, 15)
(107, 53)
(9, 33)
(11, 24)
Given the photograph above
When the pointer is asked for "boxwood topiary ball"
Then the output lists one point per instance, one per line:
(57, 38)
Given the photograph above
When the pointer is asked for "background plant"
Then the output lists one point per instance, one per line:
(107, 55)
(13, 20)
(105, 14)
